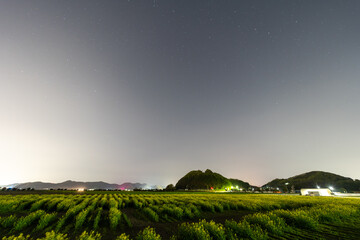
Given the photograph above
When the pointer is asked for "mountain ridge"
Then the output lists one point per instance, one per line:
(315, 179)
(70, 184)
(205, 180)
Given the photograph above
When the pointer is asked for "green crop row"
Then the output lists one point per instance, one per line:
(267, 215)
(28, 220)
(145, 234)
(259, 226)
(207, 202)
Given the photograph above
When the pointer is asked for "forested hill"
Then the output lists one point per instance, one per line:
(208, 180)
(316, 179)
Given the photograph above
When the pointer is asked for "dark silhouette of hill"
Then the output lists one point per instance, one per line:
(207, 180)
(314, 179)
(76, 185)
(239, 183)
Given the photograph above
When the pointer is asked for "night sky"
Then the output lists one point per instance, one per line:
(145, 91)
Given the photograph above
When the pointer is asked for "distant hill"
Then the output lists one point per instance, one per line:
(314, 179)
(76, 185)
(239, 183)
(206, 180)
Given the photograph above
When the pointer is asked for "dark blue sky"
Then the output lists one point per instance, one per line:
(149, 90)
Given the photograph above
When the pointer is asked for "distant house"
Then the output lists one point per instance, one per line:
(316, 192)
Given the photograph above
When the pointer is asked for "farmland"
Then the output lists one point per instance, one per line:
(122, 215)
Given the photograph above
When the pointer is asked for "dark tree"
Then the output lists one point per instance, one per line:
(170, 187)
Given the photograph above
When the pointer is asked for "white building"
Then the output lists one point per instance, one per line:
(316, 192)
